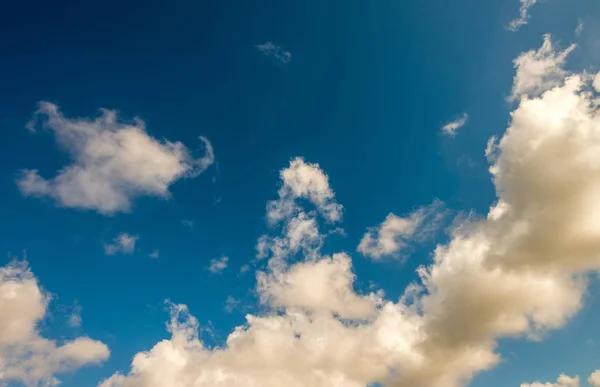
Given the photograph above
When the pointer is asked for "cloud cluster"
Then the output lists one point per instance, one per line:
(25, 356)
(523, 18)
(271, 49)
(566, 381)
(112, 162)
(451, 128)
(393, 237)
(123, 243)
(217, 265)
(521, 271)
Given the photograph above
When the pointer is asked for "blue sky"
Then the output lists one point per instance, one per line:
(333, 112)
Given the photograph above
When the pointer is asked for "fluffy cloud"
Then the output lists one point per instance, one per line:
(523, 18)
(562, 381)
(394, 235)
(123, 243)
(519, 272)
(25, 356)
(270, 49)
(539, 70)
(451, 127)
(303, 180)
(112, 163)
(594, 379)
(217, 265)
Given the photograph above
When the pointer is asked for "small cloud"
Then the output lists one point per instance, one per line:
(270, 49)
(217, 265)
(123, 243)
(523, 18)
(154, 255)
(75, 317)
(579, 28)
(188, 223)
(244, 269)
(231, 304)
(451, 128)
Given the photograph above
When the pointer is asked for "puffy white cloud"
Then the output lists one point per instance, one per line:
(452, 127)
(123, 243)
(518, 272)
(539, 70)
(562, 381)
(523, 18)
(594, 379)
(395, 234)
(112, 162)
(25, 356)
(275, 51)
(303, 180)
(217, 265)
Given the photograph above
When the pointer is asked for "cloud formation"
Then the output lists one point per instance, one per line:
(112, 162)
(451, 128)
(523, 18)
(566, 381)
(519, 272)
(25, 356)
(539, 70)
(393, 237)
(275, 51)
(217, 265)
(123, 243)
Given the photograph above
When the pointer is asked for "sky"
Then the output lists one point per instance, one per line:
(318, 193)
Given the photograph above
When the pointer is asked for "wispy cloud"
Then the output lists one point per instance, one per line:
(188, 223)
(523, 18)
(123, 243)
(451, 128)
(154, 254)
(217, 265)
(231, 304)
(271, 49)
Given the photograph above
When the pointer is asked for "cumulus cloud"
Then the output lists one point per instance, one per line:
(594, 379)
(539, 70)
(123, 243)
(395, 234)
(523, 18)
(518, 272)
(275, 51)
(451, 128)
(562, 381)
(112, 162)
(302, 180)
(217, 265)
(25, 356)
(75, 317)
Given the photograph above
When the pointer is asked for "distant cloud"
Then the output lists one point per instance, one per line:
(523, 18)
(123, 243)
(188, 223)
(231, 304)
(451, 127)
(217, 265)
(270, 49)
(579, 28)
(393, 237)
(75, 317)
(154, 254)
(112, 162)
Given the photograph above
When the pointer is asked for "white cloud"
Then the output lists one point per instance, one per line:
(594, 379)
(123, 243)
(306, 181)
(271, 49)
(519, 272)
(451, 127)
(562, 381)
(154, 254)
(231, 303)
(112, 163)
(188, 223)
(25, 356)
(394, 236)
(217, 265)
(523, 18)
(539, 70)
(579, 28)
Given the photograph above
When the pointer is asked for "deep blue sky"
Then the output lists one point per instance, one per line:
(369, 85)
